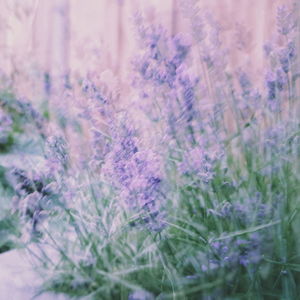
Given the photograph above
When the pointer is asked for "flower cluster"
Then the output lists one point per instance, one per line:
(200, 163)
(163, 57)
(251, 211)
(285, 20)
(239, 251)
(138, 176)
(56, 154)
(34, 196)
(249, 248)
(97, 111)
(5, 128)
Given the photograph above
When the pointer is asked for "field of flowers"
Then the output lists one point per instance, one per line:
(190, 190)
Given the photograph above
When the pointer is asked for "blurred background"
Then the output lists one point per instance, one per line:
(46, 44)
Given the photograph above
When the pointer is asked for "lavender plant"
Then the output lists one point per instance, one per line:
(208, 209)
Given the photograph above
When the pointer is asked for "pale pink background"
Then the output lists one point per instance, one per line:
(82, 36)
